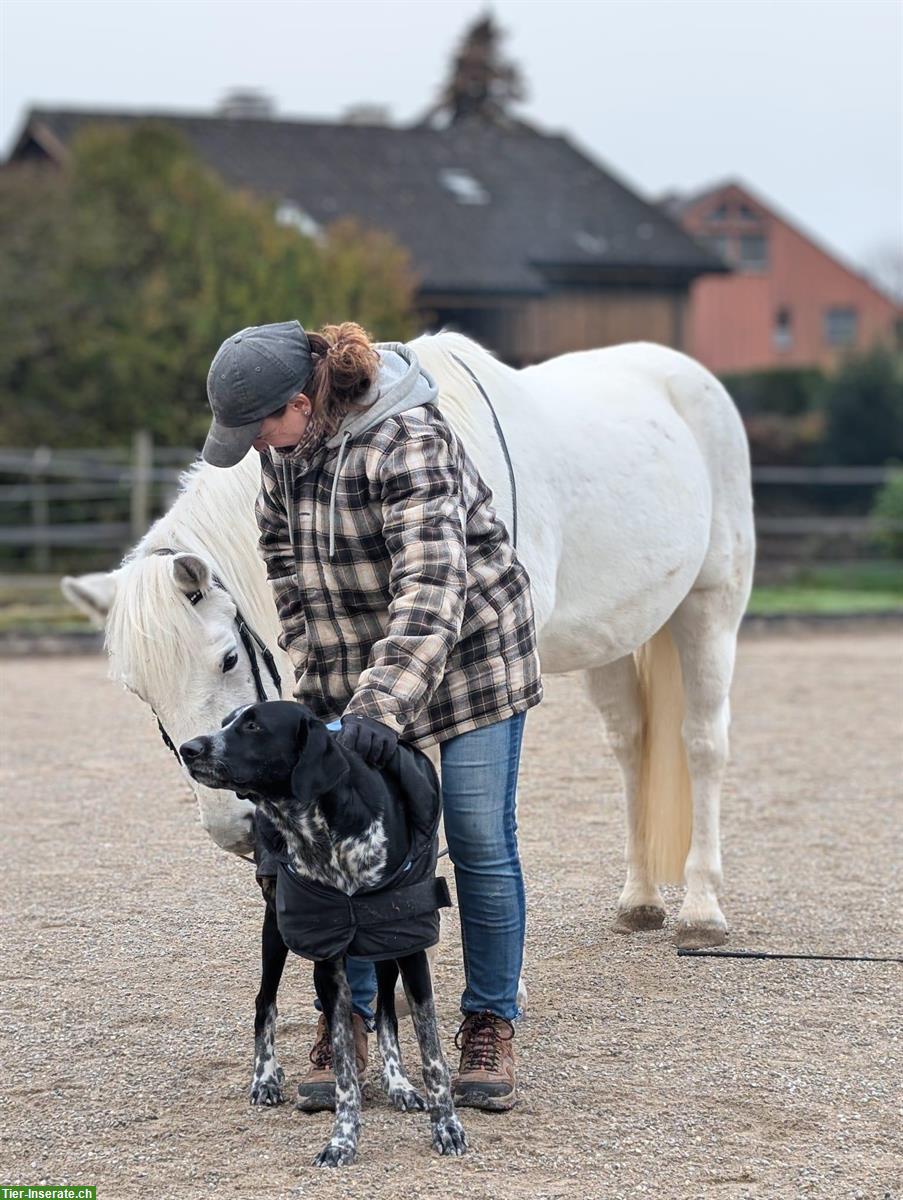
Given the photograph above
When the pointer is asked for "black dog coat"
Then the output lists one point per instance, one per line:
(394, 919)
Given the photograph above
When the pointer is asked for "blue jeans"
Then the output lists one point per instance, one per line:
(479, 794)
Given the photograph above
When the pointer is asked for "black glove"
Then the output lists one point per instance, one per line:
(372, 740)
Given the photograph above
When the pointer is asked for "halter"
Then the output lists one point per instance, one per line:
(249, 639)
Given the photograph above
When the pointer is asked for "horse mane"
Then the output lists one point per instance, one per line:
(440, 352)
(213, 517)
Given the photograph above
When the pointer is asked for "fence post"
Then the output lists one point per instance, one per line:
(142, 467)
(40, 507)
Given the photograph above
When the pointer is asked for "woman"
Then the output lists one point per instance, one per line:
(404, 611)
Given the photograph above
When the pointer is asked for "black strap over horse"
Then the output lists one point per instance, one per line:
(252, 642)
(501, 437)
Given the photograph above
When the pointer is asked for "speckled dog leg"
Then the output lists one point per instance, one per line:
(401, 1092)
(335, 996)
(266, 1083)
(448, 1132)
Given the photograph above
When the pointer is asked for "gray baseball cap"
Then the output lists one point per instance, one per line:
(254, 373)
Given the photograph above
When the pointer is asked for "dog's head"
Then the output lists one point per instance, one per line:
(266, 751)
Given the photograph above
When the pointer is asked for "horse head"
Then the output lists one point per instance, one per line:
(171, 638)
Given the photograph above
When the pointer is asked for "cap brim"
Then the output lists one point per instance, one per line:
(225, 446)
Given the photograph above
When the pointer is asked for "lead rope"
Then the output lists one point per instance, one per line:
(249, 639)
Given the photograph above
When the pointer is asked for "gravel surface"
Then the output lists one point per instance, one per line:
(131, 965)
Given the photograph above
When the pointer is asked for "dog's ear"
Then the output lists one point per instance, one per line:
(320, 765)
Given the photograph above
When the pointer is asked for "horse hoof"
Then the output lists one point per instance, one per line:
(699, 936)
(644, 916)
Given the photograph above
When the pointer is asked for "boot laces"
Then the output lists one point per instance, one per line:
(480, 1038)
(321, 1053)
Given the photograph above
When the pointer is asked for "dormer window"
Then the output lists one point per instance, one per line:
(590, 243)
(463, 186)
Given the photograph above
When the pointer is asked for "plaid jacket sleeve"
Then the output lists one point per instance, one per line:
(424, 527)
(275, 547)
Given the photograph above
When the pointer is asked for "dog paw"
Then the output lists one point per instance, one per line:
(406, 1099)
(448, 1136)
(336, 1154)
(267, 1092)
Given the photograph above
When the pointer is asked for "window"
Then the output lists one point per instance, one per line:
(717, 214)
(746, 213)
(840, 326)
(721, 246)
(590, 243)
(782, 332)
(753, 252)
(463, 186)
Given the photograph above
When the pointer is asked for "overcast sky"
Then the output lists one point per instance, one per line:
(800, 98)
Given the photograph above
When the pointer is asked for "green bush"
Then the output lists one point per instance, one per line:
(863, 404)
(787, 392)
(123, 273)
(888, 514)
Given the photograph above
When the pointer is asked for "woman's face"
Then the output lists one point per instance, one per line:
(284, 430)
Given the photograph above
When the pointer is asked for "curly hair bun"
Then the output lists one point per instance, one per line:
(345, 364)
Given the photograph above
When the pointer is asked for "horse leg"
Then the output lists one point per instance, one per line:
(266, 1084)
(614, 690)
(448, 1132)
(704, 628)
(334, 995)
(401, 1092)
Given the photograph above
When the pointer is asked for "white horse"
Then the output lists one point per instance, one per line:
(635, 525)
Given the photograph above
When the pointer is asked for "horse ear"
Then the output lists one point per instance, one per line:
(191, 573)
(92, 594)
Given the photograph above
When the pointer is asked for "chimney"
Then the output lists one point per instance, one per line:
(241, 103)
(367, 114)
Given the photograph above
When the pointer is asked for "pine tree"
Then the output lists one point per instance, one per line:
(482, 85)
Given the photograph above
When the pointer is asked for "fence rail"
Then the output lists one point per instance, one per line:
(106, 498)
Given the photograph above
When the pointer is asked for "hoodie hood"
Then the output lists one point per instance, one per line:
(401, 383)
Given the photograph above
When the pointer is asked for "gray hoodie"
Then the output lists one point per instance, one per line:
(401, 383)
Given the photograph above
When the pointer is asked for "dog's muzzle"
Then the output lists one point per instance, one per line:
(196, 755)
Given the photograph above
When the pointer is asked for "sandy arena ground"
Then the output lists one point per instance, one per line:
(132, 955)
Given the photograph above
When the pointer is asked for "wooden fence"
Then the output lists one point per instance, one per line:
(96, 503)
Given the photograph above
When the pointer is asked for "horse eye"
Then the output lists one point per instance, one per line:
(229, 661)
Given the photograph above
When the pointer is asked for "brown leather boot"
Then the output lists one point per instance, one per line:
(316, 1090)
(487, 1075)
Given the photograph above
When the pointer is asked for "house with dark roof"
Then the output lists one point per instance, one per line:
(788, 302)
(516, 236)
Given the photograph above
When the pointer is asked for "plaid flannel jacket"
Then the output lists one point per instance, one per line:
(422, 617)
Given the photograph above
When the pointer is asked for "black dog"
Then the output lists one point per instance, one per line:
(354, 870)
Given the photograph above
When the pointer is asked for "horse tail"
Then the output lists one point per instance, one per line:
(664, 791)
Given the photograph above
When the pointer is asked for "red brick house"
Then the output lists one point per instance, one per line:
(788, 301)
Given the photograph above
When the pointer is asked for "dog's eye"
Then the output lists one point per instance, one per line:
(250, 727)
(229, 661)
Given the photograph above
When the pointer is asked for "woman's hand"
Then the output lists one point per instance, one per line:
(371, 739)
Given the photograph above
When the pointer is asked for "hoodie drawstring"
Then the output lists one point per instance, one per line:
(289, 500)
(346, 437)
